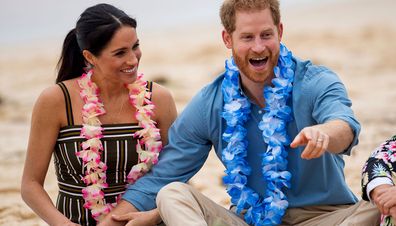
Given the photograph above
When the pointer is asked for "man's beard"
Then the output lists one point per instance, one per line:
(258, 77)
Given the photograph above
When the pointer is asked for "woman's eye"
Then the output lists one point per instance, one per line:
(120, 53)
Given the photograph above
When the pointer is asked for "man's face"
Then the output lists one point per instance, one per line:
(255, 44)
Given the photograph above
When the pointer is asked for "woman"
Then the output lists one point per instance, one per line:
(377, 182)
(99, 121)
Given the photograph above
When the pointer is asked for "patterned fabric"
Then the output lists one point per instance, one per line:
(381, 163)
(119, 154)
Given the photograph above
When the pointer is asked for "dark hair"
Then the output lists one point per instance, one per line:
(94, 29)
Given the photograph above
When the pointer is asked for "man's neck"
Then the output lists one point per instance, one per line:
(254, 91)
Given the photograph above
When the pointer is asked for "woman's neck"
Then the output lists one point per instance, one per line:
(109, 90)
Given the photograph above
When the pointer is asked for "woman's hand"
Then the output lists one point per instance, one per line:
(145, 218)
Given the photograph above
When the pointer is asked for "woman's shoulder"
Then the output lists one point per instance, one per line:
(51, 95)
(48, 105)
(54, 95)
(160, 92)
(163, 100)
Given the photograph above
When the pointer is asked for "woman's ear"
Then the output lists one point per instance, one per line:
(89, 57)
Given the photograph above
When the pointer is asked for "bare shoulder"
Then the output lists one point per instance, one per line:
(165, 107)
(48, 107)
(51, 97)
(161, 94)
(165, 111)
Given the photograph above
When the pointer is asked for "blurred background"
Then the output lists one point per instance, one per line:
(182, 49)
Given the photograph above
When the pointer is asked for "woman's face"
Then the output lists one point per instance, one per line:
(119, 60)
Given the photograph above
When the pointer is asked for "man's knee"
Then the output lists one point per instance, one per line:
(171, 192)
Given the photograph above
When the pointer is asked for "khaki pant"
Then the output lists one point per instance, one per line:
(180, 204)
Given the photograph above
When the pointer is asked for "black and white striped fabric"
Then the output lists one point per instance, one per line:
(119, 155)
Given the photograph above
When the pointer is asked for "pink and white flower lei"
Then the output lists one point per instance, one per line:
(148, 146)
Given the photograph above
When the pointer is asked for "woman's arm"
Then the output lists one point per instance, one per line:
(45, 124)
(165, 110)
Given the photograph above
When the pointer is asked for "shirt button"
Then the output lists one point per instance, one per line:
(260, 112)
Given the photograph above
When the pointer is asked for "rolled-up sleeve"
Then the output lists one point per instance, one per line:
(330, 102)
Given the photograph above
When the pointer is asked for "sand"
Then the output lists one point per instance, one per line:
(354, 38)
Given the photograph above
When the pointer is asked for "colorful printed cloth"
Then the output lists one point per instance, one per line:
(381, 164)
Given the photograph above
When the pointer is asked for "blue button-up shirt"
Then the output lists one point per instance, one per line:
(318, 96)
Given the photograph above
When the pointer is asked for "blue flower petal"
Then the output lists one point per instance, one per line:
(266, 210)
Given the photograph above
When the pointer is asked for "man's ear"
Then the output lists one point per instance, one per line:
(227, 39)
(280, 31)
(89, 57)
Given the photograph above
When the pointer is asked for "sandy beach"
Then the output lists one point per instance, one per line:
(354, 38)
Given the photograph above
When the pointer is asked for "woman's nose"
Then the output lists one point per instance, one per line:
(132, 59)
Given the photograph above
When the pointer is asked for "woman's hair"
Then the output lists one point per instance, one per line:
(94, 30)
(230, 7)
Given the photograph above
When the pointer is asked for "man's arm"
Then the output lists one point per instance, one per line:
(187, 150)
(334, 136)
(334, 127)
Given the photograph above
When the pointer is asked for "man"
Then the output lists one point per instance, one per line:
(281, 139)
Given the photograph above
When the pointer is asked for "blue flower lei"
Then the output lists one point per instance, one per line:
(236, 110)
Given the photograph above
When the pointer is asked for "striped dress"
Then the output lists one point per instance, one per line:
(119, 155)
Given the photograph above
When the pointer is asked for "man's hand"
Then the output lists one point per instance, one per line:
(315, 140)
(121, 208)
(147, 218)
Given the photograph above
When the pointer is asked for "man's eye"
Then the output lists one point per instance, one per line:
(267, 35)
